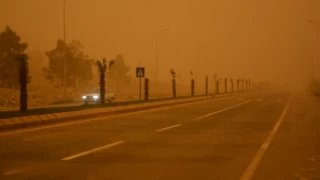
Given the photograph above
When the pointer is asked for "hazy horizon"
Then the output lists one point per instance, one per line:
(267, 40)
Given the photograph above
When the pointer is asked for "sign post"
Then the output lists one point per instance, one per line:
(140, 73)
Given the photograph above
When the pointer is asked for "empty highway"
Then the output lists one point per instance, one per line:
(255, 136)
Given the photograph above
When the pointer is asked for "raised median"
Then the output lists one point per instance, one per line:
(12, 120)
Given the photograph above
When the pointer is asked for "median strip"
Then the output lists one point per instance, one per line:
(46, 117)
(34, 120)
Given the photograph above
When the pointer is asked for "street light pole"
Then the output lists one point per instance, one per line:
(312, 70)
(317, 23)
(64, 54)
(157, 55)
(314, 22)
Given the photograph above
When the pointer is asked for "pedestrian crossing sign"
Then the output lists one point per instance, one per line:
(140, 72)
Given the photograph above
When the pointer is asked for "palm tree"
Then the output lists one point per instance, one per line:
(216, 83)
(226, 85)
(231, 80)
(173, 73)
(23, 80)
(217, 86)
(206, 81)
(192, 84)
(247, 85)
(243, 85)
(102, 68)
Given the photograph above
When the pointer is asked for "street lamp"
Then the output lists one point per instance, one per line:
(317, 23)
(157, 54)
(314, 22)
(64, 56)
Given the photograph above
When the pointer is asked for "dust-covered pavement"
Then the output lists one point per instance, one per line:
(253, 136)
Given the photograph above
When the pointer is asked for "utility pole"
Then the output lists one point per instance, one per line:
(65, 52)
(157, 38)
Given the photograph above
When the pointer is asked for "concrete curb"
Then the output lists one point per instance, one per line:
(228, 94)
(28, 121)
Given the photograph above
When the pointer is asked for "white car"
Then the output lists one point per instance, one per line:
(94, 96)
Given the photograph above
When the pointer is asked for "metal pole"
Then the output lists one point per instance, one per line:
(140, 88)
(318, 24)
(157, 62)
(64, 56)
(157, 85)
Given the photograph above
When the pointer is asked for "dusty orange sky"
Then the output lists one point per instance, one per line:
(261, 40)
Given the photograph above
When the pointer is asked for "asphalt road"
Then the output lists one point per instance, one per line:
(258, 136)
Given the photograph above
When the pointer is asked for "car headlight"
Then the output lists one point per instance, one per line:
(83, 97)
(95, 97)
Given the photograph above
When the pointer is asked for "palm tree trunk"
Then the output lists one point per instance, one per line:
(102, 87)
(174, 88)
(217, 86)
(23, 86)
(206, 85)
(237, 85)
(74, 81)
(225, 85)
(192, 87)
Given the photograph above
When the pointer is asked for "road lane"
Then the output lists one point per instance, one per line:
(218, 147)
(295, 150)
(249, 172)
(42, 150)
(50, 144)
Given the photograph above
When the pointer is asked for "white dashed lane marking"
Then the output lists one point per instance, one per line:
(92, 151)
(167, 128)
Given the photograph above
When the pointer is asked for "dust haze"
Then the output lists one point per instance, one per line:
(266, 40)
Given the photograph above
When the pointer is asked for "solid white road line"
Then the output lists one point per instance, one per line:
(92, 151)
(248, 173)
(222, 110)
(170, 127)
(88, 120)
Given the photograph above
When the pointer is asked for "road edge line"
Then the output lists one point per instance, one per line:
(249, 172)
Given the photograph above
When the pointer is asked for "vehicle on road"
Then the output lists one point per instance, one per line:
(93, 96)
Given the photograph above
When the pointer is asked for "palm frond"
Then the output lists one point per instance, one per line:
(99, 66)
(172, 72)
(111, 63)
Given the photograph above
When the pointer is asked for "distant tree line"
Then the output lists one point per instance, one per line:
(78, 64)
(14, 63)
(10, 50)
